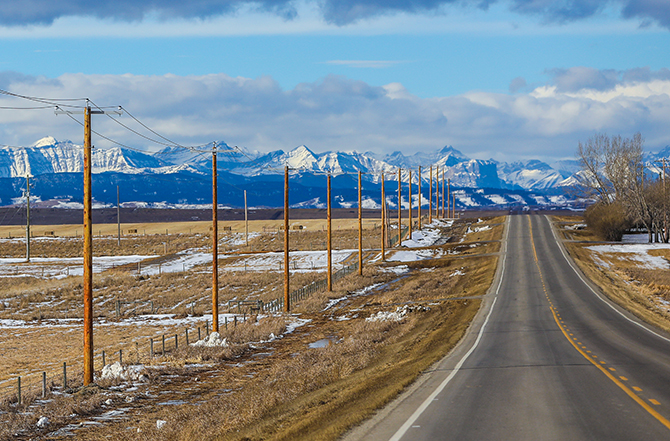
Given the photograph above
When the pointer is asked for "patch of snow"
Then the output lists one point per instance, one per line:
(160, 424)
(637, 252)
(212, 340)
(400, 269)
(116, 371)
(43, 422)
(399, 314)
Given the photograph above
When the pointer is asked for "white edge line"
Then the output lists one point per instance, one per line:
(417, 413)
(605, 301)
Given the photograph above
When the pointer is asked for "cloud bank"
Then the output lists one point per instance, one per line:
(337, 12)
(337, 113)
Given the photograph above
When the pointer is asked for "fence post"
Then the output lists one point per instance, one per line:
(64, 376)
(103, 359)
(152, 307)
(118, 309)
(151, 348)
(199, 338)
(121, 356)
(176, 342)
(19, 391)
(163, 353)
(187, 337)
(44, 384)
(206, 327)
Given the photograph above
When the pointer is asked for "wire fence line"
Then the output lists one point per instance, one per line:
(302, 293)
(40, 385)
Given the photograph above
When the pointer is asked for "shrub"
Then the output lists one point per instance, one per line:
(608, 221)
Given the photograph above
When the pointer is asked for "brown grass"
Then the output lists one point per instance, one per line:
(631, 287)
(292, 391)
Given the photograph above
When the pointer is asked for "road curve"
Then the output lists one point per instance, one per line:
(546, 359)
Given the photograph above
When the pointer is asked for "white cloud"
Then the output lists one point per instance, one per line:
(337, 113)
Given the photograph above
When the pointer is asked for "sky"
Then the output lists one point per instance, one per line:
(506, 80)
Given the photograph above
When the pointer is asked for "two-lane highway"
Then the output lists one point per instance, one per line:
(546, 359)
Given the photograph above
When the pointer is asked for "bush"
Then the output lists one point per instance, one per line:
(608, 221)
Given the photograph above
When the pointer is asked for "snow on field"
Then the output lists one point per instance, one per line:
(238, 239)
(52, 267)
(185, 260)
(300, 261)
(414, 255)
(424, 238)
(57, 268)
(636, 252)
(478, 229)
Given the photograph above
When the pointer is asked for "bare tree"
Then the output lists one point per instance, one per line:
(613, 171)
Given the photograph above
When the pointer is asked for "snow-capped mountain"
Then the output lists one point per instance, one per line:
(50, 156)
(532, 174)
(477, 183)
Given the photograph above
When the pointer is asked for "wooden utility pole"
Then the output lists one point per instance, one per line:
(88, 253)
(246, 219)
(360, 225)
(27, 218)
(88, 240)
(449, 197)
(215, 246)
(437, 192)
(453, 209)
(399, 209)
(410, 205)
(287, 297)
(383, 220)
(430, 197)
(419, 198)
(330, 242)
(118, 217)
(443, 173)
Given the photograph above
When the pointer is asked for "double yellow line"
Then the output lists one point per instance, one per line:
(615, 380)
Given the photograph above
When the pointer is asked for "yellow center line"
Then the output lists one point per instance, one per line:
(623, 378)
(615, 380)
(652, 401)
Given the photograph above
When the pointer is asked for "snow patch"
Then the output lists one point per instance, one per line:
(212, 340)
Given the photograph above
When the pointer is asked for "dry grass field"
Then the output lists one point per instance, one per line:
(625, 276)
(329, 368)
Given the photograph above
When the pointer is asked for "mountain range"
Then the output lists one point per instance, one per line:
(56, 168)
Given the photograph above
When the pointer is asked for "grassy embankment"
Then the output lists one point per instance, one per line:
(643, 291)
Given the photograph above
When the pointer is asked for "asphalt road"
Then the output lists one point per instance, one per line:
(546, 359)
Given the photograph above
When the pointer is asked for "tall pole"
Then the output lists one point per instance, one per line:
(448, 196)
(399, 209)
(330, 242)
(246, 219)
(383, 220)
(437, 192)
(118, 217)
(666, 234)
(360, 225)
(88, 253)
(430, 197)
(453, 209)
(287, 275)
(443, 173)
(410, 205)
(215, 246)
(28, 218)
(419, 198)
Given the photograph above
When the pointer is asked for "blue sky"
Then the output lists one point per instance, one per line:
(515, 80)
